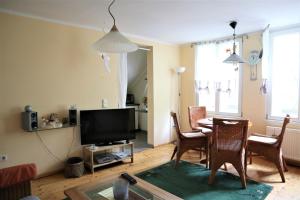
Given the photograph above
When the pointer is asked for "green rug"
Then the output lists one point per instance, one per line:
(190, 181)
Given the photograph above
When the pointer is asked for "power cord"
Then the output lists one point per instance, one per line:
(73, 138)
(49, 150)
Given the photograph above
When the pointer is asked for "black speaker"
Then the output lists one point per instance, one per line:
(29, 121)
(73, 117)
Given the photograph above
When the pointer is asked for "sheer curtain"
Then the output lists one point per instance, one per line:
(217, 83)
(265, 59)
(123, 79)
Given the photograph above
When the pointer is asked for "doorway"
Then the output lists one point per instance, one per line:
(137, 95)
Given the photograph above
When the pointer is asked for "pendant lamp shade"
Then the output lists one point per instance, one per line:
(114, 41)
(234, 58)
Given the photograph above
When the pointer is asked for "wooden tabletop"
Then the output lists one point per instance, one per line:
(79, 192)
(208, 122)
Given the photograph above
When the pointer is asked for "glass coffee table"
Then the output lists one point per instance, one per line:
(103, 190)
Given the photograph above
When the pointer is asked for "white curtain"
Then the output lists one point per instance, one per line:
(122, 80)
(265, 59)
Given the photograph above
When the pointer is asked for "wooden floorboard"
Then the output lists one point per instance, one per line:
(52, 187)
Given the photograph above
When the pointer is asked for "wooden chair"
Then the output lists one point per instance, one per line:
(228, 145)
(196, 140)
(269, 147)
(196, 113)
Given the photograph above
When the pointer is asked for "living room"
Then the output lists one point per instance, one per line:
(47, 61)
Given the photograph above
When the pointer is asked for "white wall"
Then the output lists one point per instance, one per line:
(137, 73)
(52, 66)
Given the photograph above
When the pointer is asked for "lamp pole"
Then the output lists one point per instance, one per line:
(179, 71)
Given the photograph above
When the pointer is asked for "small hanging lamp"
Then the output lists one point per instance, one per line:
(233, 58)
(114, 41)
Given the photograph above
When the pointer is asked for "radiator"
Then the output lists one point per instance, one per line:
(291, 140)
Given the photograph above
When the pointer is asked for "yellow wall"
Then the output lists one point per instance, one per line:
(253, 103)
(52, 66)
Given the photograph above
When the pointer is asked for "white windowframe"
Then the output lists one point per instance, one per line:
(269, 95)
(217, 93)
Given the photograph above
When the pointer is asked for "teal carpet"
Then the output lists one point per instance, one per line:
(190, 181)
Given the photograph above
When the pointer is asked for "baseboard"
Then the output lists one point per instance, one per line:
(50, 173)
(292, 162)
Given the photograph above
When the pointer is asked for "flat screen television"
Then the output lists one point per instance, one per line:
(107, 126)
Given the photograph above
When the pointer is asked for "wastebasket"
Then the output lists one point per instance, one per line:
(74, 167)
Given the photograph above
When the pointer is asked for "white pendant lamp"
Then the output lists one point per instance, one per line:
(233, 58)
(114, 41)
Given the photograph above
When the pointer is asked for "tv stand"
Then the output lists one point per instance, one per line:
(89, 154)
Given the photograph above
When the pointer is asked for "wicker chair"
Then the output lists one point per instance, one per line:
(196, 140)
(269, 147)
(228, 145)
(196, 113)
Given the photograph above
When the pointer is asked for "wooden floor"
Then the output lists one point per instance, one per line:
(52, 187)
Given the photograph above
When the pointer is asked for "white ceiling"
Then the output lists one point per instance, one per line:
(171, 21)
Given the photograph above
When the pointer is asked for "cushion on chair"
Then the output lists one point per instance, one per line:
(206, 130)
(193, 134)
(17, 174)
(262, 139)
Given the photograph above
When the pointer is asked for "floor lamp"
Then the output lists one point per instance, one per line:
(179, 71)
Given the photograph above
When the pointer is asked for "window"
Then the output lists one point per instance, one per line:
(284, 74)
(218, 85)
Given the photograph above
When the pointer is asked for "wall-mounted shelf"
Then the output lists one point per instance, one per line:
(46, 129)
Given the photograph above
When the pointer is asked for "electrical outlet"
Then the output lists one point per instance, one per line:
(3, 157)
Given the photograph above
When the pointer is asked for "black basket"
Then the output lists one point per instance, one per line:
(74, 167)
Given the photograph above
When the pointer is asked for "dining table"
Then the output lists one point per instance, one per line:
(208, 122)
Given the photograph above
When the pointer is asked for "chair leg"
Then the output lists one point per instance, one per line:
(250, 156)
(240, 169)
(207, 156)
(225, 167)
(284, 164)
(279, 165)
(174, 152)
(178, 156)
(214, 168)
(245, 162)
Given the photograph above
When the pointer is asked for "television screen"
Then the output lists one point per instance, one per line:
(107, 126)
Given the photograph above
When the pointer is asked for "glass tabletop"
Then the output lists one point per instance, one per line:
(105, 192)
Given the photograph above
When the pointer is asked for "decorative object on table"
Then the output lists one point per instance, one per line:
(253, 60)
(120, 189)
(51, 122)
(189, 178)
(73, 115)
(234, 58)
(29, 119)
(114, 41)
